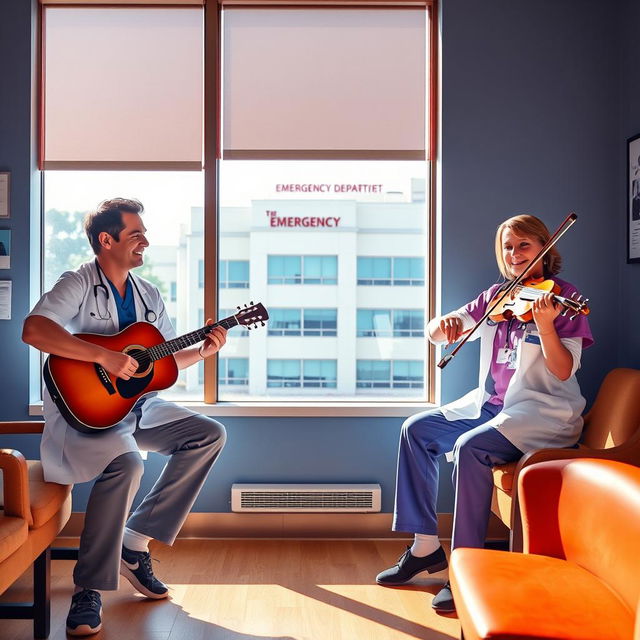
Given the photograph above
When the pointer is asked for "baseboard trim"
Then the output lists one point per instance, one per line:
(295, 525)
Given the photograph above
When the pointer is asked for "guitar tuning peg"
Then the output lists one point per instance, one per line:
(262, 323)
(239, 308)
(251, 303)
(249, 327)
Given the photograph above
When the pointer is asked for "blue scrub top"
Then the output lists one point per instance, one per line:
(126, 307)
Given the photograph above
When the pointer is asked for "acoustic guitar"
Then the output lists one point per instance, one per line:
(93, 400)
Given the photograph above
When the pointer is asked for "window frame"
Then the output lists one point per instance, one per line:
(212, 155)
(211, 159)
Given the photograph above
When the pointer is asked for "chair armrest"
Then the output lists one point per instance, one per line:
(35, 426)
(627, 452)
(16, 484)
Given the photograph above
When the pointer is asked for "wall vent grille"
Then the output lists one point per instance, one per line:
(348, 498)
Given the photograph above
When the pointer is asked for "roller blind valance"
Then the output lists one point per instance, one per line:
(324, 83)
(122, 87)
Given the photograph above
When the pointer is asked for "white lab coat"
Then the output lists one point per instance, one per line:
(540, 410)
(67, 455)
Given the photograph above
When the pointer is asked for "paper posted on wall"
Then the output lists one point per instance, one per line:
(5, 299)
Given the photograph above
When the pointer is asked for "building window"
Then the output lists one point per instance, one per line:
(303, 269)
(373, 374)
(408, 272)
(234, 274)
(408, 374)
(284, 322)
(374, 271)
(391, 271)
(320, 374)
(233, 371)
(315, 322)
(284, 373)
(389, 374)
(320, 322)
(173, 291)
(302, 373)
(387, 323)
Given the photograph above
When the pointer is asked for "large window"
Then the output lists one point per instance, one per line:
(314, 200)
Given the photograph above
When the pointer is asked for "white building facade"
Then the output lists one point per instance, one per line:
(344, 282)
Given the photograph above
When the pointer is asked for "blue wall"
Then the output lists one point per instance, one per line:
(531, 104)
(629, 281)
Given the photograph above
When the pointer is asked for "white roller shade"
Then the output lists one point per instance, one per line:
(341, 83)
(123, 87)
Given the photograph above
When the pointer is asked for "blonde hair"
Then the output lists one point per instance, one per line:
(529, 227)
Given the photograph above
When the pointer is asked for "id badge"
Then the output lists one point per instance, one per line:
(504, 355)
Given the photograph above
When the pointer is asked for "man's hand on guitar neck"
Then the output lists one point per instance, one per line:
(212, 344)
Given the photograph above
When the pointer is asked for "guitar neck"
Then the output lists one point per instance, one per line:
(170, 347)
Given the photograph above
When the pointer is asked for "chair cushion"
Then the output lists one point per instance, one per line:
(13, 533)
(46, 498)
(503, 476)
(502, 595)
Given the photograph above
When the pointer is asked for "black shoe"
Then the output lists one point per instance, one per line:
(135, 566)
(443, 601)
(85, 613)
(409, 566)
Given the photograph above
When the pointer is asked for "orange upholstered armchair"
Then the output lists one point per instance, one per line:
(579, 575)
(33, 512)
(611, 431)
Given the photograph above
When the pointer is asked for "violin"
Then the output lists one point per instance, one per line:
(518, 302)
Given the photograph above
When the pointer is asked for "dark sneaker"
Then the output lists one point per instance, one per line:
(409, 566)
(85, 614)
(135, 566)
(443, 601)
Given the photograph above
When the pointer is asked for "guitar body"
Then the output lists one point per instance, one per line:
(90, 398)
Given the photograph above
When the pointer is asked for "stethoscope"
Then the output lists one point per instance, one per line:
(149, 314)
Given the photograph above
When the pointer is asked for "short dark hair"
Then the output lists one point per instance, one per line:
(108, 217)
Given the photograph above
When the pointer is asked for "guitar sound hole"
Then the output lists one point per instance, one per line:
(142, 357)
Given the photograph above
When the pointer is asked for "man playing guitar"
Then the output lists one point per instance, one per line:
(103, 297)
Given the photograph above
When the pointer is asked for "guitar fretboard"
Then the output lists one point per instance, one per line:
(169, 347)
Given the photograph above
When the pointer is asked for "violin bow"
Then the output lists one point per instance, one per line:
(560, 231)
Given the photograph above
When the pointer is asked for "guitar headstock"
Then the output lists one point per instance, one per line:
(251, 314)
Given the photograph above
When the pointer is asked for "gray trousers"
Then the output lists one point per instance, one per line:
(193, 445)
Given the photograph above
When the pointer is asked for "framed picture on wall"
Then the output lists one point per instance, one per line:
(5, 249)
(633, 199)
(4, 194)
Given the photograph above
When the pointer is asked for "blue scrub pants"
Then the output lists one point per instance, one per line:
(476, 447)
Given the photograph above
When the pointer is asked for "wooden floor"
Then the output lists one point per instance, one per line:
(257, 589)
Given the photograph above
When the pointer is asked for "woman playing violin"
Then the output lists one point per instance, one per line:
(527, 398)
